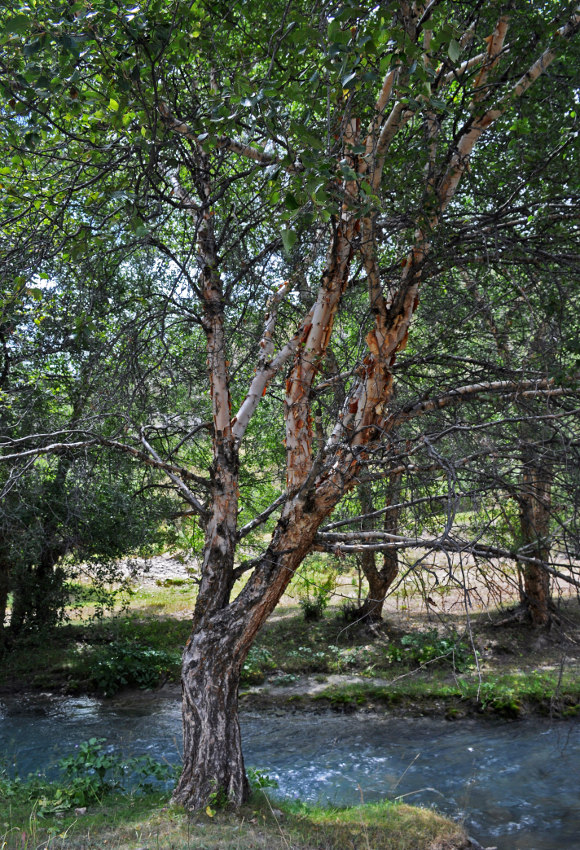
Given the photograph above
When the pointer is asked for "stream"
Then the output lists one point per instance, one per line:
(513, 784)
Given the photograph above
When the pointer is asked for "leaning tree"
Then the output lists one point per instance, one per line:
(291, 171)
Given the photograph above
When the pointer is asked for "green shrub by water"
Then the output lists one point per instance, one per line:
(87, 775)
(130, 664)
(429, 646)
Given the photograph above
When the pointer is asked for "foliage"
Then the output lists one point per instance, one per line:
(428, 647)
(314, 585)
(130, 664)
(89, 775)
(260, 779)
(257, 664)
(267, 253)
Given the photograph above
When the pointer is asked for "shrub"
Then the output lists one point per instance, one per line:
(88, 775)
(430, 646)
(129, 664)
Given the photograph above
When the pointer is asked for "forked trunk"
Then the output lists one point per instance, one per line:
(379, 580)
(213, 763)
(379, 583)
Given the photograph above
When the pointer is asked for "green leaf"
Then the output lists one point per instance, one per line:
(288, 240)
(32, 47)
(349, 80)
(18, 24)
(290, 202)
(113, 105)
(454, 50)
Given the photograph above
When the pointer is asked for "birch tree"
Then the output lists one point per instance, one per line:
(287, 163)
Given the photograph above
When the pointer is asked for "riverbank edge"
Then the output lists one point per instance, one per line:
(121, 821)
(349, 694)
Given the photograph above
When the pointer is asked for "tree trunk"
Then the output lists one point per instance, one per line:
(535, 504)
(379, 581)
(4, 589)
(213, 763)
(38, 592)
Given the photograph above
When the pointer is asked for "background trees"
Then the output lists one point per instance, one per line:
(340, 215)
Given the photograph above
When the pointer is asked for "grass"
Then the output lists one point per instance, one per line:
(150, 821)
(428, 665)
(507, 695)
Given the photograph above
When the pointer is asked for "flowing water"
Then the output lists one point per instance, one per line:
(515, 785)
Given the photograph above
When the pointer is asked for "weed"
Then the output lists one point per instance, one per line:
(352, 657)
(285, 679)
(314, 583)
(259, 779)
(313, 607)
(87, 776)
(304, 658)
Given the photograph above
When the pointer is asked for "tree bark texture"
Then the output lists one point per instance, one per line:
(4, 590)
(213, 763)
(535, 509)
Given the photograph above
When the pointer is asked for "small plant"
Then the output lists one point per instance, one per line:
(259, 779)
(88, 775)
(93, 771)
(315, 585)
(304, 659)
(352, 656)
(313, 607)
(285, 679)
(257, 663)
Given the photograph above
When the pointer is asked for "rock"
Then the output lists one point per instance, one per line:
(82, 810)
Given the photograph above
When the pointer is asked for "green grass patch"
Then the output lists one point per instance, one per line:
(128, 822)
(101, 657)
(508, 694)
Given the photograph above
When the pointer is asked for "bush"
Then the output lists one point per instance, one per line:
(313, 607)
(88, 775)
(130, 664)
(314, 584)
(430, 646)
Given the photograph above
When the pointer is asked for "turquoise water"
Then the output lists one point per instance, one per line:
(515, 785)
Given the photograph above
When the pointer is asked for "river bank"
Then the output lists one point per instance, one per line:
(415, 662)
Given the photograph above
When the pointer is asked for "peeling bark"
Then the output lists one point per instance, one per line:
(213, 763)
(4, 590)
(317, 476)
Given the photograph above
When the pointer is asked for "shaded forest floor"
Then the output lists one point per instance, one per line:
(425, 658)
